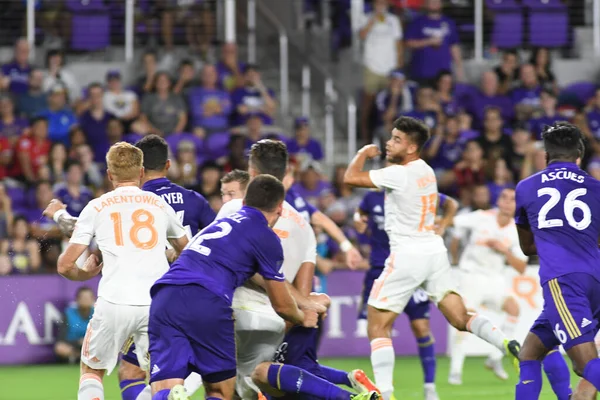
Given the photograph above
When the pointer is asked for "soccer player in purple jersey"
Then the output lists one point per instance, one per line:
(191, 326)
(558, 218)
(369, 219)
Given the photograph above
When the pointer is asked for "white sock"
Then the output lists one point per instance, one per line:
(192, 383)
(457, 353)
(145, 394)
(484, 328)
(90, 388)
(429, 386)
(382, 360)
(509, 326)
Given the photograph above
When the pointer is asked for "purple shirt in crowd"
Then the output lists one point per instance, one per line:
(312, 147)
(251, 98)
(312, 195)
(74, 204)
(200, 98)
(13, 130)
(95, 132)
(478, 102)
(523, 95)
(19, 77)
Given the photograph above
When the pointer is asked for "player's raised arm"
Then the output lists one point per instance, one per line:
(57, 211)
(355, 176)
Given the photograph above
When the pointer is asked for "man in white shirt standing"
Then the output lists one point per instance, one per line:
(131, 227)
(381, 34)
(418, 256)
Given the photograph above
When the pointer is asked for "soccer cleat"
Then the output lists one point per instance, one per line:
(455, 379)
(431, 394)
(367, 396)
(178, 392)
(361, 382)
(496, 367)
(512, 349)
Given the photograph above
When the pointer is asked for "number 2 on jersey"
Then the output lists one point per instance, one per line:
(571, 204)
(428, 206)
(196, 244)
(138, 225)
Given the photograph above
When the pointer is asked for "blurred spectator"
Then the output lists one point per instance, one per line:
(74, 325)
(118, 101)
(57, 162)
(521, 144)
(21, 249)
(487, 96)
(381, 33)
(76, 138)
(94, 122)
(547, 116)
(58, 75)
(394, 100)
(6, 156)
(164, 110)
(210, 106)
(210, 180)
(501, 178)
(534, 161)
(346, 195)
(186, 78)
(426, 107)
(229, 69)
(302, 143)
(73, 193)
(526, 96)
(470, 171)
(215, 203)
(11, 126)
(493, 141)
(59, 115)
(149, 66)
(92, 171)
(6, 213)
(253, 129)
(16, 73)
(253, 97)
(187, 167)
(34, 100)
(540, 59)
(236, 159)
(465, 126)
(433, 40)
(311, 184)
(32, 152)
(114, 131)
(445, 148)
(508, 71)
(444, 96)
(593, 115)
(198, 19)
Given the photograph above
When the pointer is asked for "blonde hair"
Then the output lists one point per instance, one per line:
(124, 161)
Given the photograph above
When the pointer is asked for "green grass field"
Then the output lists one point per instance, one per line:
(50, 382)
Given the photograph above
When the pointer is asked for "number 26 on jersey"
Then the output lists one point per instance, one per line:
(571, 203)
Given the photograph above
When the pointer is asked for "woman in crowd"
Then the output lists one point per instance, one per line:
(23, 252)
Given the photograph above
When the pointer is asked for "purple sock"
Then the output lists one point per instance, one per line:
(591, 372)
(293, 380)
(162, 395)
(530, 382)
(558, 374)
(427, 355)
(130, 389)
(336, 376)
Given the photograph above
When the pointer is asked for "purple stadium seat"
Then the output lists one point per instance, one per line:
(583, 90)
(217, 145)
(86, 5)
(548, 23)
(463, 91)
(508, 23)
(18, 196)
(90, 25)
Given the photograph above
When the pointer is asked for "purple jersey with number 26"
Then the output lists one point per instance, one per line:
(561, 205)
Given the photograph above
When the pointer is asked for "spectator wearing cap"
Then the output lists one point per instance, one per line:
(210, 106)
(34, 100)
(426, 108)
(32, 152)
(311, 184)
(118, 101)
(433, 40)
(56, 74)
(16, 73)
(59, 115)
(547, 116)
(94, 122)
(11, 126)
(229, 69)
(394, 100)
(488, 96)
(302, 142)
(593, 115)
(508, 71)
(381, 33)
(21, 249)
(253, 97)
(526, 96)
(164, 111)
(73, 193)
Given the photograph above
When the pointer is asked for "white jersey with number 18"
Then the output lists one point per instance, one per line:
(131, 228)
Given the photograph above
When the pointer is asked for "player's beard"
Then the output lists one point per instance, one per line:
(395, 159)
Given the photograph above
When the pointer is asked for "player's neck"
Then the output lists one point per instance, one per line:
(152, 176)
(126, 184)
(560, 160)
(503, 220)
(409, 158)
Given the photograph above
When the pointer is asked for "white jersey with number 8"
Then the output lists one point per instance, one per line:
(131, 228)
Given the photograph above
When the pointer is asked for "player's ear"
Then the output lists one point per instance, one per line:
(167, 165)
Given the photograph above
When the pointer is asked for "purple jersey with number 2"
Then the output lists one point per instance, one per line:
(561, 206)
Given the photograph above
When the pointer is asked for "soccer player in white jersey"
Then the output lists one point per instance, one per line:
(132, 228)
(418, 256)
(493, 242)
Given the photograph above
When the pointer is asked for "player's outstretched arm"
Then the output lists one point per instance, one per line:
(57, 211)
(526, 240)
(67, 266)
(355, 176)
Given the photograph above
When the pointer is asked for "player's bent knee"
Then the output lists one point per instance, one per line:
(129, 371)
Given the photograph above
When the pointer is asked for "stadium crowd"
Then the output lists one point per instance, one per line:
(54, 133)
